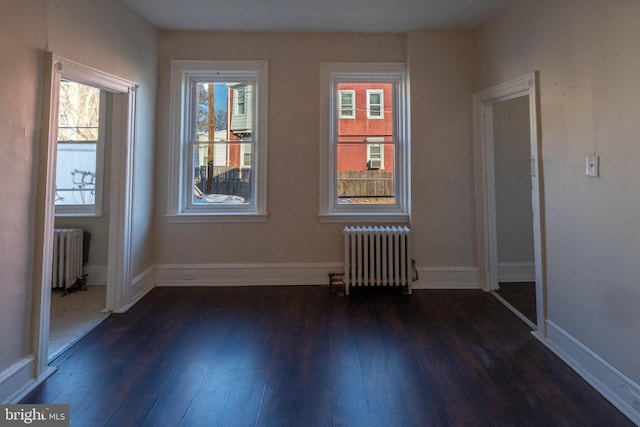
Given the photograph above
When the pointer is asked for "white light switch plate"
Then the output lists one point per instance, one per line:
(593, 166)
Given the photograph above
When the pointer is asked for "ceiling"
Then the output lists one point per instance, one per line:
(368, 16)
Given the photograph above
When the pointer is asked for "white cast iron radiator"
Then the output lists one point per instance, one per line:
(377, 256)
(67, 257)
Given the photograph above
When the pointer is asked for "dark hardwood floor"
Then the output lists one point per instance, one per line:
(522, 296)
(300, 356)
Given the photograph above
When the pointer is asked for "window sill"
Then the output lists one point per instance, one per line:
(216, 217)
(78, 215)
(374, 218)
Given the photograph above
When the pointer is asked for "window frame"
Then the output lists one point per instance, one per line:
(184, 74)
(331, 74)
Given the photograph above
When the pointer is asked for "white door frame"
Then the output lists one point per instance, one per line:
(120, 213)
(483, 102)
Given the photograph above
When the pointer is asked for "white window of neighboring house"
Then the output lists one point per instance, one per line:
(375, 104)
(375, 153)
(239, 101)
(347, 104)
(80, 150)
(218, 131)
(245, 155)
(352, 186)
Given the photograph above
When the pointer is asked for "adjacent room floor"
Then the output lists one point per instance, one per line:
(73, 315)
(522, 296)
(301, 356)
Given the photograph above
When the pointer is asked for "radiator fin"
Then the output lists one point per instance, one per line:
(67, 257)
(377, 256)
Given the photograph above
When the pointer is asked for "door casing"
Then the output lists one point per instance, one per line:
(483, 102)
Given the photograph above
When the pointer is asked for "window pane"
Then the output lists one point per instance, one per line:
(79, 112)
(221, 175)
(364, 127)
(78, 133)
(76, 174)
(211, 111)
(360, 183)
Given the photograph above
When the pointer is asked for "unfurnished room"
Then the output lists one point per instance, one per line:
(331, 213)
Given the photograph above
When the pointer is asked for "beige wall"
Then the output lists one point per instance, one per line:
(586, 52)
(512, 165)
(441, 71)
(20, 85)
(111, 38)
(103, 35)
(441, 78)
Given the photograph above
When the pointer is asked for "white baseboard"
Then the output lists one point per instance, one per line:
(245, 274)
(15, 377)
(516, 272)
(447, 278)
(96, 274)
(17, 380)
(616, 387)
(297, 274)
(140, 286)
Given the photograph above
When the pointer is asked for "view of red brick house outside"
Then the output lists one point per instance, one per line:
(365, 146)
(365, 149)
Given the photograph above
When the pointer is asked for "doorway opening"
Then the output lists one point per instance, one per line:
(509, 197)
(91, 191)
(81, 236)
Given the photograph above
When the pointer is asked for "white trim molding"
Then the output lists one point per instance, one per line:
(511, 272)
(123, 131)
(261, 274)
(140, 286)
(447, 278)
(617, 388)
(486, 234)
(331, 75)
(185, 76)
(17, 380)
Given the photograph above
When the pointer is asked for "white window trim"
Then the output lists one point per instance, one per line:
(329, 210)
(94, 209)
(182, 72)
(369, 93)
(353, 105)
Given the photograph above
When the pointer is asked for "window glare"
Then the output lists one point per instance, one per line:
(78, 135)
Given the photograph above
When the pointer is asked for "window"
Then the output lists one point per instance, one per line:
(375, 104)
(364, 162)
(80, 150)
(239, 101)
(375, 155)
(218, 141)
(347, 104)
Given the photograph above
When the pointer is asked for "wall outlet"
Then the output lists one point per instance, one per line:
(189, 275)
(593, 166)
